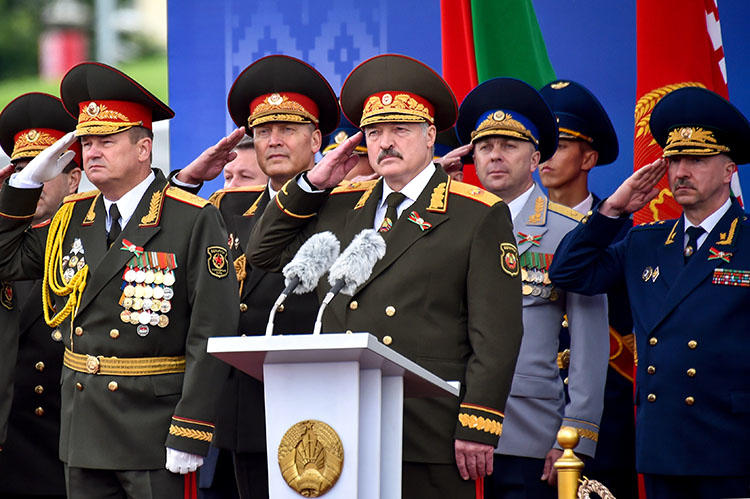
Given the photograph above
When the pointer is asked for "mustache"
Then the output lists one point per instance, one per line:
(682, 182)
(388, 153)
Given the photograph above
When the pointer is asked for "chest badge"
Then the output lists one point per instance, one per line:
(529, 238)
(415, 218)
(715, 254)
(650, 274)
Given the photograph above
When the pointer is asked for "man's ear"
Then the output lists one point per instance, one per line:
(590, 157)
(145, 145)
(74, 179)
(316, 139)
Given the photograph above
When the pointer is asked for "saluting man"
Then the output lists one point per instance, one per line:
(588, 139)
(512, 129)
(448, 243)
(286, 105)
(688, 282)
(134, 274)
(32, 351)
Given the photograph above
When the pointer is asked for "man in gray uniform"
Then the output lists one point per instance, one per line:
(512, 130)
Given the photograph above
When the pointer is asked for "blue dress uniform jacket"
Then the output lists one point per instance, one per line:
(123, 421)
(536, 407)
(29, 462)
(691, 323)
(241, 423)
(440, 295)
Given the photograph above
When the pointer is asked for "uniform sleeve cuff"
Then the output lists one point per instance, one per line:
(479, 424)
(190, 435)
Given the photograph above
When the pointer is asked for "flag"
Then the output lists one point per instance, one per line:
(484, 39)
(678, 45)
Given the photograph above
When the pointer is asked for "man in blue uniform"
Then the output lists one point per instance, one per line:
(689, 284)
(588, 139)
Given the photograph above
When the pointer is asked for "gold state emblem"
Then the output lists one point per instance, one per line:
(92, 109)
(32, 135)
(311, 457)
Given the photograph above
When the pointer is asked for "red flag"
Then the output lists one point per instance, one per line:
(678, 45)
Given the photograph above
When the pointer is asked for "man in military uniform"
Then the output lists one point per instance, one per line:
(286, 105)
(31, 364)
(243, 170)
(687, 281)
(447, 243)
(133, 275)
(512, 129)
(587, 139)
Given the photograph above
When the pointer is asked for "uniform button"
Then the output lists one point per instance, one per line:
(112, 386)
(353, 305)
(691, 372)
(349, 331)
(565, 380)
(280, 308)
(114, 334)
(78, 330)
(39, 411)
(243, 307)
(390, 310)
(564, 323)
(39, 366)
(689, 400)
(38, 389)
(387, 340)
(79, 387)
(651, 397)
(651, 369)
(692, 344)
(56, 335)
(652, 341)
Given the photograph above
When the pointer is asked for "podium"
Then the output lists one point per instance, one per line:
(332, 401)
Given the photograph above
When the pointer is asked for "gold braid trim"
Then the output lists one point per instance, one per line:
(179, 431)
(591, 435)
(240, 265)
(54, 280)
(479, 423)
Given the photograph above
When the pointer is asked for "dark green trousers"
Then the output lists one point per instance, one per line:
(434, 481)
(87, 483)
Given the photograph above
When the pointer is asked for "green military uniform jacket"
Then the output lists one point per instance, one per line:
(123, 421)
(446, 294)
(9, 317)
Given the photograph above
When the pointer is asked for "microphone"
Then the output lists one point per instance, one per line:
(303, 272)
(352, 268)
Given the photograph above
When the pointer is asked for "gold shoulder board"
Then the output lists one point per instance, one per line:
(186, 197)
(474, 192)
(349, 186)
(80, 196)
(565, 211)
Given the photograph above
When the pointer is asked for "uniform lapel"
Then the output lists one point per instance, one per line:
(669, 256)
(115, 259)
(723, 237)
(244, 227)
(531, 222)
(406, 232)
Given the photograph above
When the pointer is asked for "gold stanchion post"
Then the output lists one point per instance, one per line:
(569, 466)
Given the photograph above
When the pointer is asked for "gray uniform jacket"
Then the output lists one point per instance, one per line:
(536, 407)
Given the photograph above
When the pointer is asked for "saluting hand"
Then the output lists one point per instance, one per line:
(209, 164)
(451, 162)
(6, 172)
(636, 191)
(49, 163)
(336, 164)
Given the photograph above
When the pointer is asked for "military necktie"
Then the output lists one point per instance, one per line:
(391, 214)
(693, 234)
(114, 228)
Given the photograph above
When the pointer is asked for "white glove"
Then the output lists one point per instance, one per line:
(48, 164)
(182, 462)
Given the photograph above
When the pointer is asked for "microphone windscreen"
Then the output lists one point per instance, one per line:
(355, 264)
(313, 259)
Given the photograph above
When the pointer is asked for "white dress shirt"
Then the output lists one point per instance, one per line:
(708, 224)
(412, 190)
(129, 202)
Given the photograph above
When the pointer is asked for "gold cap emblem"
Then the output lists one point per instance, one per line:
(275, 99)
(686, 132)
(559, 84)
(32, 135)
(498, 116)
(386, 99)
(340, 137)
(311, 457)
(92, 109)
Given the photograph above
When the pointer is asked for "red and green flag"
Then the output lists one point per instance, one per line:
(484, 39)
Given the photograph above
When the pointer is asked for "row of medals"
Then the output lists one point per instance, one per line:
(146, 298)
(537, 283)
(72, 264)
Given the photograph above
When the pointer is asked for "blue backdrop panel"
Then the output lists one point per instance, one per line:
(590, 41)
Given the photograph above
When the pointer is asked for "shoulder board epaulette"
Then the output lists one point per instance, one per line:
(246, 188)
(349, 186)
(186, 197)
(656, 224)
(80, 196)
(565, 211)
(473, 192)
